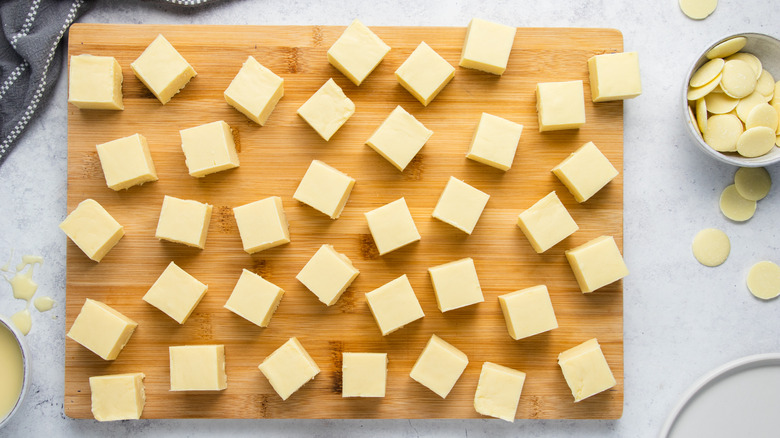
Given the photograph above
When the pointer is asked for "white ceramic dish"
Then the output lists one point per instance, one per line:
(6, 323)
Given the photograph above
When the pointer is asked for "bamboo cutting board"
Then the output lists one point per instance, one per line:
(273, 160)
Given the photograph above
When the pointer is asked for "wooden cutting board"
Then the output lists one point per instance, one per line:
(273, 160)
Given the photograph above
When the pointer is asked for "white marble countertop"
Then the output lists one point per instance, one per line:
(681, 318)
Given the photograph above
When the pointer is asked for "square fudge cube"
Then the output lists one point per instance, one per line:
(498, 391)
(176, 293)
(495, 142)
(197, 367)
(528, 312)
(456, 284)
(586, 370)
(288, 368)
(162, 69)
(117, 396)
(255, 91)
(392, 226)
(324, 189)
(327, 274)
(487, 46)
(439, 366)
(597, 263)
(425, 73)
(327, 109)
(101, 329)
(546, 223)
(209, 148)
(394, 305)
(357, 52)
(254, 298)
(614, 76)
(184, 221)
(262, 224)
(95, 82)
(560, 105)
(399, 138)
(126, 162)
(460, 205)
(585, 172)
(363, 374)
(92, 229)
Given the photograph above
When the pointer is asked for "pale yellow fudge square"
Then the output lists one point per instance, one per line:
(456, 284)
(92, 229)
(528, 312)
(262, 224)
(460, 205)
(498, 391)
(560, 105)
(586, 370)
(117, 396)
(399, 138)
(546, 223)
(101, 329)
(254, 298)
(184, 221)
(363, 374)
(162, 69)
(288, 368)
(327, 109)
(176, 293)
(324, 189)
(357, 52)
(394, 305)
(614, 76)
(487, 46)
(255, 91)
(95, 82)
(425, 73)
(209, 148)
(327, 274)
(495, 142)
(197, 368)
(439, 366)
(585, 172)
(597, 263)
(126, 162)
(392, 226)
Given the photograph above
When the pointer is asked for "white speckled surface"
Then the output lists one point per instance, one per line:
(681, 319)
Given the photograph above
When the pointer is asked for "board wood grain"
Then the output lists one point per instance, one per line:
(273, 160)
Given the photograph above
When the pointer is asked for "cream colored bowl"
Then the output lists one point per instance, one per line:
(6, 323)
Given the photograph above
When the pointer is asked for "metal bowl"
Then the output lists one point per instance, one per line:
(6, 323)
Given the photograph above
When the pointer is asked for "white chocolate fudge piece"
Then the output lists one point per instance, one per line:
(184, 221)
(254, 298)
(585, 172)
(262, 224)
(614, 76)
(597, 263)
(424, 73)
(95, 82)
(439, 366)
(560, 105)
(495, 142)
(92, 229)
(176, 293)
(162, 69)
(586, 370)
(327, 109)
(498, 391)
(394, 305)
(197, 368)
(456, 284)
(255, 91)
(487, 46)
(460, 205)
(392, 226)
(363, 374)
(324, 189)
(126, 162)
(528, 312)
(399, 138)
(101, 329)
(357, 52)
(328, 274)
(209, 148)
(546, 223)
(289, 368)
(117, 396)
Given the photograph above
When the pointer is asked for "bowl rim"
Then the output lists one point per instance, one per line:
(26, 364)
